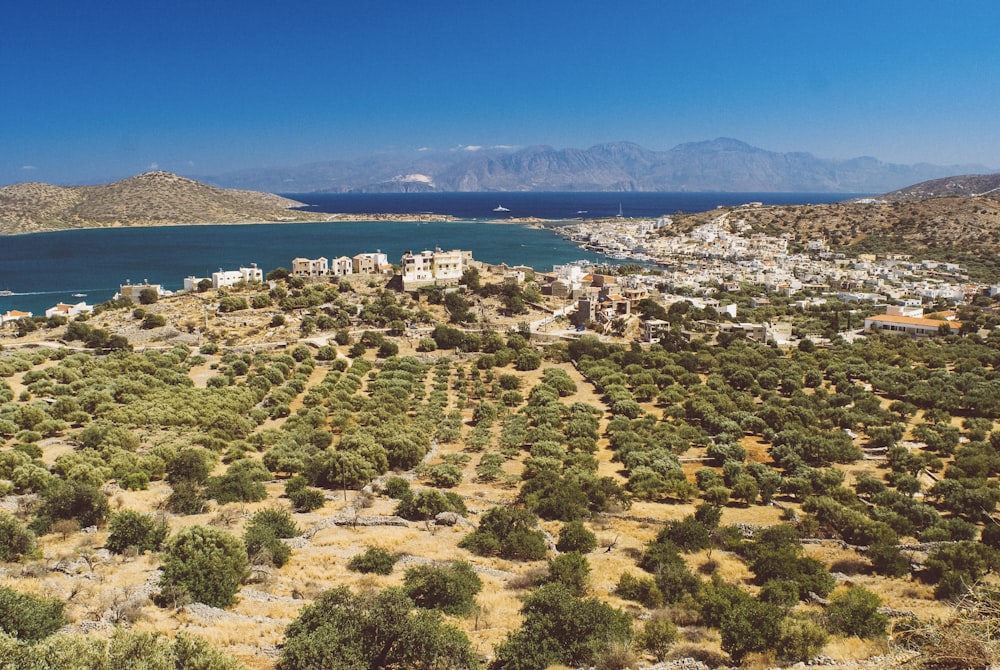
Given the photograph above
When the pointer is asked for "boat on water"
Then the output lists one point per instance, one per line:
(79, 295)
(500, 208)
(6, 292)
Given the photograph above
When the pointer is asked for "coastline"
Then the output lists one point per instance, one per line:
(329, 218)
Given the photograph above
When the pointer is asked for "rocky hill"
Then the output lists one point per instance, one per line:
(963, 185)
(960, 229)
(152, 198)
(722, 164)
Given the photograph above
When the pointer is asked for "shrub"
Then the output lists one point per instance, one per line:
(16, 542)
(657, 636)
(451, 589)
(509, 533)
(571, 570)
(131, 529)
(263, 536)
(29, 618)
(207, 565)
(428, 503)
(800, 640)
(855, 612)
(642, 590)
(560, 628)
(750, 626)
(382, 630)
(574, 536)
(374, 560)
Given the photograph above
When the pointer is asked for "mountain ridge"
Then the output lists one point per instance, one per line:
(721, 164)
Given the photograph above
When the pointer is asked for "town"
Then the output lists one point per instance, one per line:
(723, 265)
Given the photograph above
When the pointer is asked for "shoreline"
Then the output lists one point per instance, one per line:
(330, 218)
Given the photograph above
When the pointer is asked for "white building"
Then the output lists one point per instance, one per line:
(191, 283)
(233, 277)
(69, 311)
(370, 263)
(344, 265)
(430, 267)
(12, 316)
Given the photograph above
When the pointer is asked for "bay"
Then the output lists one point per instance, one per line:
(45, 268)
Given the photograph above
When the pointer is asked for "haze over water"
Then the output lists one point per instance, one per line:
(46, 268)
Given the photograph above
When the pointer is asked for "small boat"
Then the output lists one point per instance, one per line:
(500, 208)
(79, 295)
(6, 292)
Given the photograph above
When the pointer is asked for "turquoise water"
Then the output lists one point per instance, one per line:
(46, 268)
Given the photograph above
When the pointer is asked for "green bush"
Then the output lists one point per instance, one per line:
(855, 612)
(131, 529)
(341, 631)
(572, 571)
(574, 536)
(451, 588)
(374, 561)
(800, 640)
(29, 618)
(560, 628)
(657, 636)
(205, 564)
(16, 542)
(263, 536)
(642, 590)
(750, 626)
(509, 533)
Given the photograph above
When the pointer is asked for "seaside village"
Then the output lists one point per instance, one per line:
(705, 267)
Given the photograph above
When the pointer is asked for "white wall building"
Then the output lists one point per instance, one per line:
(233, 277)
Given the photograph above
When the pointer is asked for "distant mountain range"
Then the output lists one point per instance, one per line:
(152, 198)
(716, 165)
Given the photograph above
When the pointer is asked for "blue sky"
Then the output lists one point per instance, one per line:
(93, 91)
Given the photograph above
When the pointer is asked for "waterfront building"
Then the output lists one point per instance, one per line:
(133, 292)
(12, 316)
(232, 277)
(341, 266)
(370, 263)
(433, 267)
(68, 311)
(310, 267)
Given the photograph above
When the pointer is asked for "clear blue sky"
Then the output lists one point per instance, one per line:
(91, 91)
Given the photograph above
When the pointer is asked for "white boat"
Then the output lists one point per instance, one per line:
(79, 295)
(500, 208)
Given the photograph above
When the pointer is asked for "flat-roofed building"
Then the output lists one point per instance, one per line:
(433, 267)
(910, 325)
(370, 263)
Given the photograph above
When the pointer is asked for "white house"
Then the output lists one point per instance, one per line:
(430, 267)
(341, 266)
(69, 311)
(233, 277)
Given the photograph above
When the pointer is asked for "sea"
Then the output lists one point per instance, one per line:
(43, 269)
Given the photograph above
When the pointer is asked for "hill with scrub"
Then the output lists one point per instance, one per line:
(277, 477)
(954, 228)
(152, 198)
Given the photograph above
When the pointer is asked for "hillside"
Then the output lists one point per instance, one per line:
(971, 185)
(152, 198)
(716, 482)
(954, 228)
(722, 164)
